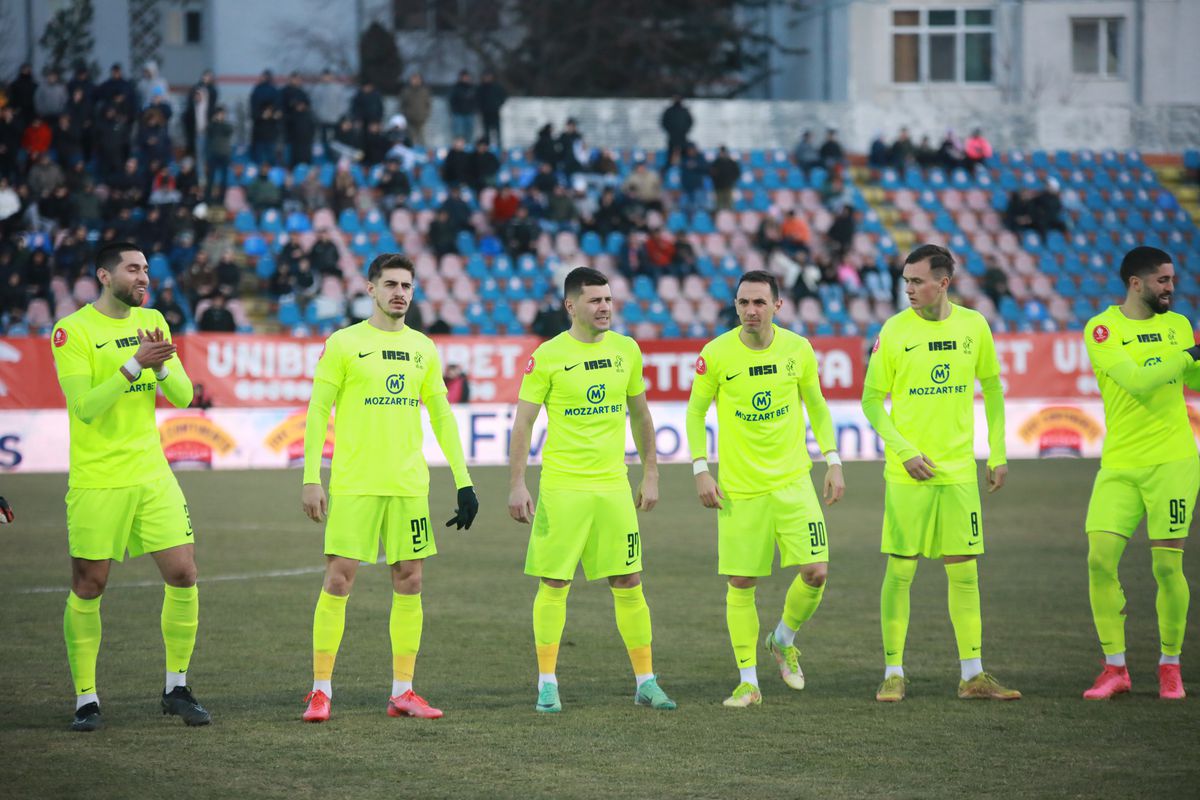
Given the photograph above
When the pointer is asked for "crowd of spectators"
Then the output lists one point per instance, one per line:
(953, 152)
(1040, 211)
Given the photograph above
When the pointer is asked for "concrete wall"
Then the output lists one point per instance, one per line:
(760, 123)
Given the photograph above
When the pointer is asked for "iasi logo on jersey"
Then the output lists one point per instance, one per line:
(394, 385)
(595, 395)
(940, 375)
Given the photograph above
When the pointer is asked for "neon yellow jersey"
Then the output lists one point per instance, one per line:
(121, 446)
(1151, 428)
(584, 388)
(381, 379)
(761, 439)
(930, 370)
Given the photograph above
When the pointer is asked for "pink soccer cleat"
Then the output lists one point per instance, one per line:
(1112, 681)
(1170, 682)
(411, 704)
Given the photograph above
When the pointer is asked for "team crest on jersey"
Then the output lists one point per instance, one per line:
(790, 366)
(1100, 334)
(619, 364)
(701, 365)
(1171, 336)
(968, 345)
(529, 365)
(419, 359)
(60, 337)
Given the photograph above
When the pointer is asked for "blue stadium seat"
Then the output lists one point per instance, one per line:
(298, 222)
(289, 313)
(702, 223)
(590, 245)
(271, 221)
(476, 268)
(244, 221)
(465, 243)
(677, 222)
(265, 267)
(348, 221)
(254, 245)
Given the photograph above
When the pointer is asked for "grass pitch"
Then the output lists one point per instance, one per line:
(260, 573)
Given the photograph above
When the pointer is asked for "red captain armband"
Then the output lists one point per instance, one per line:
(529, 365)
(1100, 334)
(875, 347)
(60, 337)
(701, 365)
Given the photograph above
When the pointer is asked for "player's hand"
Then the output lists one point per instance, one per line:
(6, 512)
(835, 484)
(710, 493)
(920, 468)
(996, 477)
(647, 493)
(520, 505)
(468, 507)
(316, 505)
(153, 349)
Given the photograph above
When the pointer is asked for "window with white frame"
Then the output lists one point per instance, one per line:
(943, 45)
(1096, 46)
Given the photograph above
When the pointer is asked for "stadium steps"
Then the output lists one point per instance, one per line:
(1173, 177)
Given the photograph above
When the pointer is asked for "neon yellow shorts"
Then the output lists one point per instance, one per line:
(748, 529)
(358, 521)
(1165, 494)
(932, 520)
(104, 523)
(597, 528)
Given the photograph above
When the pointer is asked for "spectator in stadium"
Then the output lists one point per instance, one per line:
(458, 209)
(995, 281)
(551, 318)
(903, 152)
(485, 166)
(609, 216)
(951, 152)
(836, 194)
(658, 254)
(323, 255)
(201, 398)
(217, 317)
(796, 236)
(265, 134)
(545, 149)
(172, 312)
(328, 106)
(833, 157)
(644, 187)
(677, 123)
(265, 93)
(219, 155)
(1019, 213)
(458, 389)
(112, 142)
(725, 173)
(841, 232)
(301, 131)
(345, 188)
(604, 164)
(927, 154)
(37, 139)
(262, 193)
(304, 281)
(68, 141)
(367, 105)
(151, 83)
(977, 149)
(117, 92)
(21, 93)
(504, 206)
(50, 97)
(347, 141)
(1048, 210)
(456, 166)
(228, 274)
(570, 147)
(153, 140)
(561, 210)
(10, 142)
(880, 154)
(375, 145)
(693, 170)
(44, 177)
(545, 179)
(443, 234)
(201, 105)
(520, 234)
(463, 105)
(491, 97)
(805, 154)
(394, 185)
(416, 104)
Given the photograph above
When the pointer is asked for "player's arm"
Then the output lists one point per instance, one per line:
(987, 370)
(822, 427)
(1108, 356)
(73, 364)
(641, 425)
(445, 430)
(520, 504)
(172, 379)
(316, 423)
(704, 389)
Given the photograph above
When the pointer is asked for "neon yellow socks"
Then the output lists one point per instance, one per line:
(962, 581)
(180, 619)
(549, 619)
(81, 630)
(799, 605)
(404, 626)
(329, 623)
(1172, 599)
(894, 609)
(741, 617)
(1104, 590)
(633, 623)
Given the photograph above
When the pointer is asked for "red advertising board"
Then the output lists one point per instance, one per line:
(239, 370)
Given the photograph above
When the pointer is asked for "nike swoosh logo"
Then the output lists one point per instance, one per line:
(815, 552)
(364, 355)
(1173, 530)
(734, 375)
(914, 347)
(972, 544)
(743, 660)
(891, 652)
(573, 366)
(1126, 341)
(419, 549)
(630, 562)
(101, 345)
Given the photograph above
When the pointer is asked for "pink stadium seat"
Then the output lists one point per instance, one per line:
(977, 200)
(238, 310)
(450, 267)
(526, 312)
(810, 311)
(37, 314)
(645, 330)
(235, 200)
(820, 220)
(748, 221)
(683, 313)
(1018, 286)
(1041, 287)
(401, 222)
(462, 290)
(356, 284)
(452, 313)
(707, 311)
(332, 287)
(86, 290)
(305, 240)
(423, 219)
(810, 200)
(435, 288)
(967, 222)
(694, 288)
(1024, 264)
(983, 243)
(544, 247)
(904, 200)
(620, 288)
(715, 245)
(787, 311)
(1007, 242)
(605, 264)
(566, 244)
(726, 221)
(752, 259)
(952, 199)
(425, 265)
(668, 288)
(860, 311)
(486, 198)
(785, 200)
(884, 311)
(990, 221)
(654, 220)
(323, 218)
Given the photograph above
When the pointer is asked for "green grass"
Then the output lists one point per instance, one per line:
(252, 666)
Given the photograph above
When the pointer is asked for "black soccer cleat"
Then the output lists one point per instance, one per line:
(87, 718)
(179, 701)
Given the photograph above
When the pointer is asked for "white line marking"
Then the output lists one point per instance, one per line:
(244, 576)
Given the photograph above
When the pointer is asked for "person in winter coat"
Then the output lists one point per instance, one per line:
(416, 104)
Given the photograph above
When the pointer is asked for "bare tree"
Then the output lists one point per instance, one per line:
(299, 43)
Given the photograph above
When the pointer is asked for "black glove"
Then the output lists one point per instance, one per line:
(468, 507)
(6, 512)
(1194, 352)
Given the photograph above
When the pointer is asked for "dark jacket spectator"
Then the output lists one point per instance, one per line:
(217, 318)
(463, 106)
(569, 161)
(841, 232)
(265, 134)
(677, 122)
(805, 154)
(10, 142)
(117, 92)
(491, 97)
(545, 149)
(229, 275)
(202, 100)
(172, 312)
(262, 193)
(903, 151)
(831, 152)
(264, 93)
(112, 142)
(68, 141)
(1048, 211)
(50, 98)
(457, 167)
(367, 105)
(376, 145)
(324, 255)
(1019, 213)
(21, 93)
(394, 182)
(416, 104)
(301, 131)
(485, 166)
(880, 154)
(443, 234)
